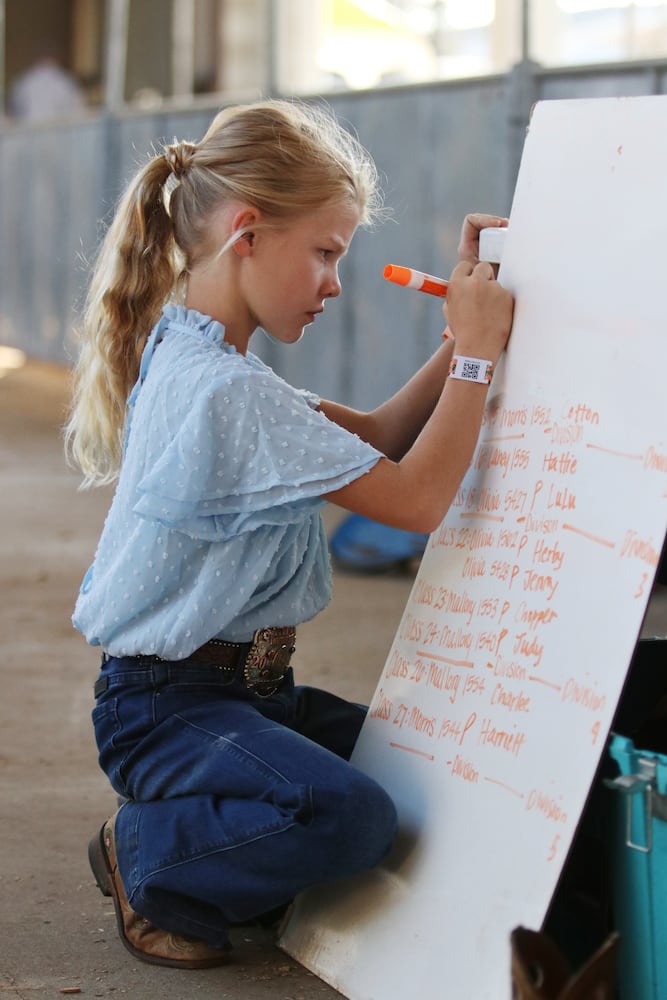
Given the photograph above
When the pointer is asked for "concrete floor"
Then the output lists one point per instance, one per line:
(57, 932)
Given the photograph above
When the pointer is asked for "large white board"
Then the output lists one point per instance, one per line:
(492, 711)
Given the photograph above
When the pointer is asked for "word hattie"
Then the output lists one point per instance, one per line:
(409, 278)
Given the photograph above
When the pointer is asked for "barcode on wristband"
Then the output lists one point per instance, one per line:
(471, 369)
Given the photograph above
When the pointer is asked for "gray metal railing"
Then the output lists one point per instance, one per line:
(443, 149)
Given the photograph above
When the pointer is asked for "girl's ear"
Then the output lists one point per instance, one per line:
(242, 245)
(243, 224)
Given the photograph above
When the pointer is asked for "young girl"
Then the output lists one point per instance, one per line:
(237, 784)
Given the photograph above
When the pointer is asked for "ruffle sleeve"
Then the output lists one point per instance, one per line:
(250, 451)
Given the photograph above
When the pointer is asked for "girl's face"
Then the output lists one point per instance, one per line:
(289, 272)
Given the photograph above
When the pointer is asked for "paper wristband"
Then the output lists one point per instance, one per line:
(471, 369)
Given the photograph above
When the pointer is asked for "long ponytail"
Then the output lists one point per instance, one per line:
(137, 270)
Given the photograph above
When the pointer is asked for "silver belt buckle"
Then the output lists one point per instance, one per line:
(268, 659)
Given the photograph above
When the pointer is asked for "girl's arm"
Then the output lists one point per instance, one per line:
(415, 491)
(393, 427)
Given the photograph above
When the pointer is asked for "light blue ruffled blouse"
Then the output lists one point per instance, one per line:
(215, 529)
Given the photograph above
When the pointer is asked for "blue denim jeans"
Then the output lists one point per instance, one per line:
(236, 802)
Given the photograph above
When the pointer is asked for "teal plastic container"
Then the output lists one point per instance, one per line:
(638, 856)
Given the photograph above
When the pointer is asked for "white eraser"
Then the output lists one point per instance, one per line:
(491, 243)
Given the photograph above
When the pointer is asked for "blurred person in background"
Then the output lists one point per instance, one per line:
(45, 90)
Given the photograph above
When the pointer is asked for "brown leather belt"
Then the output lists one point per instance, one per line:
(265, 660)
(267, 657)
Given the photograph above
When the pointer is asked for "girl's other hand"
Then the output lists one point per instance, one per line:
(468, 248)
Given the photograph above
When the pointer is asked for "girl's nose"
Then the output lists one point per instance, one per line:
(332, 286)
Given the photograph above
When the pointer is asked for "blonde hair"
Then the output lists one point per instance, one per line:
(283, 157)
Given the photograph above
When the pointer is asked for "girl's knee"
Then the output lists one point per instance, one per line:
(363, 823)
(379, 823)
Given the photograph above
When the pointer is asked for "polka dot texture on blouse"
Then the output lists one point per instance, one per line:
(215, 527)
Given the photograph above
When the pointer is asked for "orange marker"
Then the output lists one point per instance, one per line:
(409, 278)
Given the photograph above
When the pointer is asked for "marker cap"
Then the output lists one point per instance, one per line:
(491, 243)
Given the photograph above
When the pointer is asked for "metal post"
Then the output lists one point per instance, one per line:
(183, 48)
(525, 30)
(271, 46)
(116, 53)
(3, 42)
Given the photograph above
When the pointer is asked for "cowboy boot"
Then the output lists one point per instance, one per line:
(141, 938)
(540, 972)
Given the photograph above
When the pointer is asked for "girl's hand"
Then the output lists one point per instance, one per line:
(468, 248)
(478, 310)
